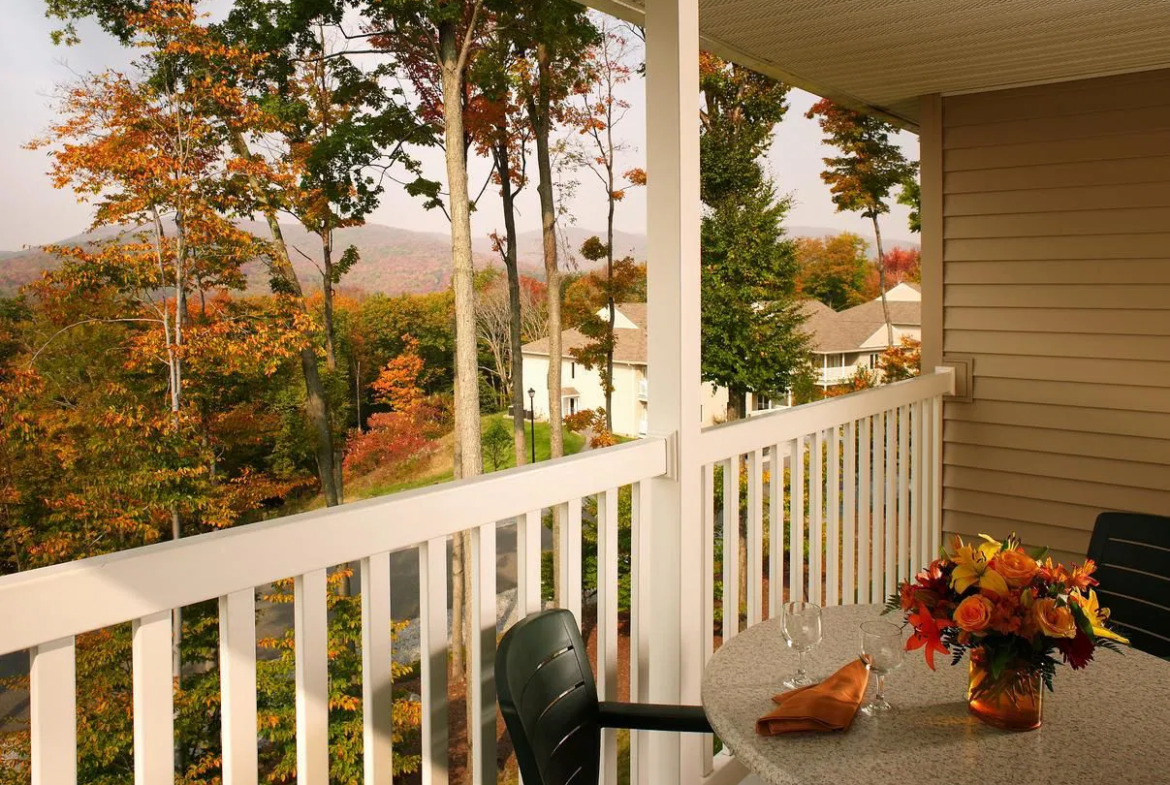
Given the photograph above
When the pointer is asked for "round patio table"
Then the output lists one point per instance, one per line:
(1109, 723)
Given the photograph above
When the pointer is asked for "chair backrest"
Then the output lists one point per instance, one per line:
(549, 700)
(1132, 552)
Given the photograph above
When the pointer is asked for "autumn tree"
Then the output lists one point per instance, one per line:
(862, 177)
(600, 111)
(553, 36)
(621, 281)
(751, 337)
(147, 152)
(902, 265)
(503, 135)
(901, 362)
(833, 269)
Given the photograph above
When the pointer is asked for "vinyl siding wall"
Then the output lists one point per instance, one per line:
(1055, 224)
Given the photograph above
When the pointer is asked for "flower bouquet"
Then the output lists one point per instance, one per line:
(1018, 614)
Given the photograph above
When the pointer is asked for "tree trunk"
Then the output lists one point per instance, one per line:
(511, 263)
(539, 111)
(467, 422)
(609, 298)
(877, 234)
(327, 298)
(316, 405)
(736, 403)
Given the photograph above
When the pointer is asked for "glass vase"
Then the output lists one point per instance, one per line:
(1014, 700)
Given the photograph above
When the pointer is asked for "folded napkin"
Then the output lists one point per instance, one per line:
(829, 705)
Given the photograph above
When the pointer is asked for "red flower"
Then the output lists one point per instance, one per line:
(1078, 651)
(928, 633)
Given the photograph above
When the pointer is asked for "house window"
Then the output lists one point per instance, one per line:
(572, 370)
(873, 361)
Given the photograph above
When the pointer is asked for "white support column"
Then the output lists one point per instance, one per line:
(673, 215)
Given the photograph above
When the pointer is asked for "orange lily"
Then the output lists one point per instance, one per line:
(928, 633)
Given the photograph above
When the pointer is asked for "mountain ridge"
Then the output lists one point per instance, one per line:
(393, 260)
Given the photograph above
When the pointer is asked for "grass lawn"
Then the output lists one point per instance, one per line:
(441, 471)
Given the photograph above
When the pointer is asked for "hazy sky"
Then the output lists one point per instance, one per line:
(32, 212)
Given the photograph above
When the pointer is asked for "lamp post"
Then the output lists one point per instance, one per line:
(532, 420)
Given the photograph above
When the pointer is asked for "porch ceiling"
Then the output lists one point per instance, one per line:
(884, 55)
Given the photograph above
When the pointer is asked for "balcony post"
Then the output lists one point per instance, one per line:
(673, 216)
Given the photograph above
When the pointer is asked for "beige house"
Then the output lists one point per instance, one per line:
(844, 341)
(581, 387)
(1045, 150)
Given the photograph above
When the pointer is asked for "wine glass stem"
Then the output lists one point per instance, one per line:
(881, 687)
(800, 664)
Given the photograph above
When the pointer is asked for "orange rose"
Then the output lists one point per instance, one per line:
(1053, 620)
(1016, 567)
(974, 613)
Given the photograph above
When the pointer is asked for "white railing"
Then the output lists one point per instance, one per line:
(836, 375)
(44, 610)
(862, 474)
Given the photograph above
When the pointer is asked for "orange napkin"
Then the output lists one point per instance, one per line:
(829, 705)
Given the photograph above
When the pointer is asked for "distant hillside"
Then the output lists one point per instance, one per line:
(393, 260)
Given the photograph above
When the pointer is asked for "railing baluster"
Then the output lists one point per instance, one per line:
(432, 569)
(607, 619)
(936, 458)
(707, 747)
(53, 713)
(905, 555)
(776, 532)
(755, 534)
(311, 647)
(917, 541)
(833, 514)
(849, 521)
(641, 550)
(528, 563)
(572, 547)
(483, 655)
(730, 548)
(891, 502)
(864, 509)
(796, 530)
(816, 508)
(154, 718)
(877, 537)
(237, 685)
(377, 677)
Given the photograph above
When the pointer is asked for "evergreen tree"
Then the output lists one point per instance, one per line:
(751, 337)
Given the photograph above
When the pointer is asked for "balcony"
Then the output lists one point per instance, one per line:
(864, 484)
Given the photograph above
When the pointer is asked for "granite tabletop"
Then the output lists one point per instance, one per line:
(1109, 723)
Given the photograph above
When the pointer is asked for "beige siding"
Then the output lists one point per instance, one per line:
(1055, 226)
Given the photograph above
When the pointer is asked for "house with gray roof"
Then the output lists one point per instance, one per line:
(841, 342)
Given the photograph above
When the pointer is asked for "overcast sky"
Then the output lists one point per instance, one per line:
(32, 212)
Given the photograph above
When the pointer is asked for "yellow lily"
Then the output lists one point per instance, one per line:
(971, 567)
(1097, 616)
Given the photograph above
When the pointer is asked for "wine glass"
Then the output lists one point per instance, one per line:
(882, 652)
(802, 630)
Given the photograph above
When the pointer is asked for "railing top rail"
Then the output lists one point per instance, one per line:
(68, 599)
(720, 442)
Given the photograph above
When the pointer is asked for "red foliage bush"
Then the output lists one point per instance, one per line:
(395, 442)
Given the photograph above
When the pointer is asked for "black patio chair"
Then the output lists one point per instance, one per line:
(549, 701)
(1132, 552)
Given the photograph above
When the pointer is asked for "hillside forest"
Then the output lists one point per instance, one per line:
(219, 349)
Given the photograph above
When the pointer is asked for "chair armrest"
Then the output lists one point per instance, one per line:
(653, 716)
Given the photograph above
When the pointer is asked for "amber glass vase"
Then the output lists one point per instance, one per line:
(1013, 701)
